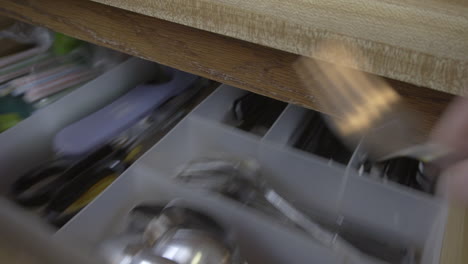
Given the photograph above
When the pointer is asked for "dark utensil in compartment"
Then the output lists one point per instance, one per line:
(256, 113)
(315, 137)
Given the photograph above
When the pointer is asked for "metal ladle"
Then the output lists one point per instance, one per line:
(241, 181)
(174, 236)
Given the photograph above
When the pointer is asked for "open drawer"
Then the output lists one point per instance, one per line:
(406, 224)
(389, 212)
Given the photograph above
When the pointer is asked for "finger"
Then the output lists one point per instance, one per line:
(452, 131)
(452, 128)
(453, 183)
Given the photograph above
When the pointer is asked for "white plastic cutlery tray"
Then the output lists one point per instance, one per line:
(328, 192)
(29, 143)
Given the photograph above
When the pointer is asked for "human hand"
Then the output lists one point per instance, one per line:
(452, 131)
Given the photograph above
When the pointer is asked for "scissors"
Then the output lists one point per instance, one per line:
(62, 187)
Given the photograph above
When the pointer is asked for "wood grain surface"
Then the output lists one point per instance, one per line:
(249, 66)
(420, 42)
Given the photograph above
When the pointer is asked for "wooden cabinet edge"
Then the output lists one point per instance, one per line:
(245, 65)
(397, 54)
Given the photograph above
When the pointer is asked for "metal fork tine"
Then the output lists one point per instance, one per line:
(367, 88)
(377, 92)
(340, 86)
(364, 104)
(351, 99)
(333, 90)
(306, 70)
(375, 98)
(310, 70)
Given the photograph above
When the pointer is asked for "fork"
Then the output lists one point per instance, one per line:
(241, 180)
(366, 109)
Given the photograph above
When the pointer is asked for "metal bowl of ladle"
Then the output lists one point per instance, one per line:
(170, 235)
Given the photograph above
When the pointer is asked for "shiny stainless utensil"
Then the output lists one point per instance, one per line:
(174, 235)
(240, 180)
(366, 108)
(187, 246)
(146, 256)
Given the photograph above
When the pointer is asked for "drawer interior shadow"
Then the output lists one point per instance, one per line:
(246, 111)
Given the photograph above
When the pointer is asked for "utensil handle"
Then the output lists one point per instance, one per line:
(323, 236)
(98, 128)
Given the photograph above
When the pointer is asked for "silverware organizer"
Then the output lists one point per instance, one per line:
(330, 193)
(29, 143)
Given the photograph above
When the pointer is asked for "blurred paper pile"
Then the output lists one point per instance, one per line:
(37, 67)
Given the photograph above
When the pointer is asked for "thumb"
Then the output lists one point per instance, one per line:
(453, 182)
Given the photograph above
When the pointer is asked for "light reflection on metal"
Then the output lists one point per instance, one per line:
(363, 105)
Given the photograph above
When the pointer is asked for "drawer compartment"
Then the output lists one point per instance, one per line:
(388, 220)
(29, 143)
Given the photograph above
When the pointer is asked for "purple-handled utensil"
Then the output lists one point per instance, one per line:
(100, 127)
